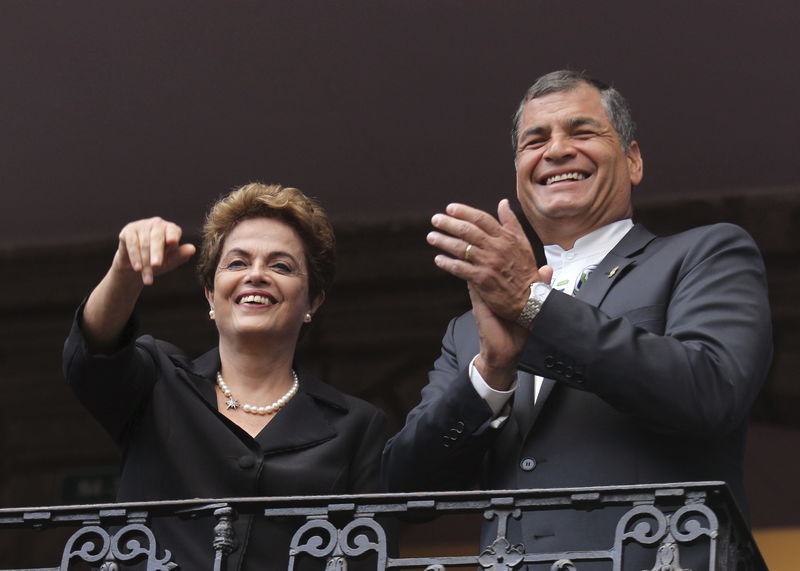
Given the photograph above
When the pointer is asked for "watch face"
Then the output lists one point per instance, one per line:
(540, 291)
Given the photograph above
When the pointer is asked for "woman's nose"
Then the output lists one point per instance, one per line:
(257, 273)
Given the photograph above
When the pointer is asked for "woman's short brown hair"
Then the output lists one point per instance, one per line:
(255, 200)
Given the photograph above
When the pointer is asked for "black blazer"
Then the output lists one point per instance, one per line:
(160, 406)
(650, 373)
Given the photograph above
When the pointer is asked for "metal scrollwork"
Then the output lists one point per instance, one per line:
(668, 557)
(81, 545)
(686, 527)
(649, 526)
(652, 526)
(320, 543)
(319, 538)
(563, 564)
(501, 555)
(131, 542)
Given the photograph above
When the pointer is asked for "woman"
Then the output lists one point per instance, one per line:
(239, 420)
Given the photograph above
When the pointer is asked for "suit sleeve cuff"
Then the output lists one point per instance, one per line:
(497, 400)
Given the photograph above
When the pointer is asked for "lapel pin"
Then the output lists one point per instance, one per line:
(613, 271)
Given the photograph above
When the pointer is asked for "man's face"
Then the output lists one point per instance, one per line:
(571, 169)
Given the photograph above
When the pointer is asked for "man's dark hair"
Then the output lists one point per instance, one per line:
(617, 109)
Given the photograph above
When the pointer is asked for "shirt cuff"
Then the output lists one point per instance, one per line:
(497, 400)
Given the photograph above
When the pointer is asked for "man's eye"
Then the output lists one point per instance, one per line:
(534, 143)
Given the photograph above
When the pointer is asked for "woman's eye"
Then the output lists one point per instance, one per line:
(236, 264)
(282, 267)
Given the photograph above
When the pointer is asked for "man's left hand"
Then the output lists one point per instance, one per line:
(493, 255)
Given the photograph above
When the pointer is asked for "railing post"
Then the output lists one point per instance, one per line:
(224, 536)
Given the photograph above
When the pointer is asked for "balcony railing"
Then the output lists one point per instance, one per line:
(662, 522)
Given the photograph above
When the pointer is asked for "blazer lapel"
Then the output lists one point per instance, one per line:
(527, 408)
(522, 407)
(299, 424)
(612, 268)
(303, 423)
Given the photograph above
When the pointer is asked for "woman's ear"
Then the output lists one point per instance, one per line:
(317, 302)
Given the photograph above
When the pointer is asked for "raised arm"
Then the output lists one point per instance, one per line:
(147, 248)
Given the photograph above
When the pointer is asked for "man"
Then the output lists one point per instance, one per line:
(627, 359)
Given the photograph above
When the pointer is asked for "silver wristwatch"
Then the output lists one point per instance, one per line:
(539, 293)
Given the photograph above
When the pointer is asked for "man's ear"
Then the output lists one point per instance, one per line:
(635, 163)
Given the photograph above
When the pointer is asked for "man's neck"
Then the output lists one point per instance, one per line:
(569, 242)
(565, 232)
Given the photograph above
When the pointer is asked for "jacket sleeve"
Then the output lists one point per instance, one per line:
(367, 458)
(446, 436)
(699, 369)
(111, 386)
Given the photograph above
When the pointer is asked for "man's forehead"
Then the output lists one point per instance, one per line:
(583, 102)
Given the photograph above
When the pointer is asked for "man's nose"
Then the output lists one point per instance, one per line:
(559, 148)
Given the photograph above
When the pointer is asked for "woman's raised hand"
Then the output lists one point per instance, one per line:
(151, 247)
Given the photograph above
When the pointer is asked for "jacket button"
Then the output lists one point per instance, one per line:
(528, 464)
(459, 427)
(246, 462)
(549, 361)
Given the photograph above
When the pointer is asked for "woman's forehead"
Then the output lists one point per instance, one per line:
(263, 235)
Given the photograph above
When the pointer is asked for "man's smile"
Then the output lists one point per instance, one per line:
(565, 176)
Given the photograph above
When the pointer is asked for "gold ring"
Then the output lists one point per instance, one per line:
(466, 252)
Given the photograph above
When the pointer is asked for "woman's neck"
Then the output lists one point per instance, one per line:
(257, 366)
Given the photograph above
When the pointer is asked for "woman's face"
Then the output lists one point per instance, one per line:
(261, 281)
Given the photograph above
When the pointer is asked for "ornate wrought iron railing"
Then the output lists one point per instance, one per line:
(661, 522)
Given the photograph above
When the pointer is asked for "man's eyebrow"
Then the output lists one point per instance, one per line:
(583, 121)
(533, 131)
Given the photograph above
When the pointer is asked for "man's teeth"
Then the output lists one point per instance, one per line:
(262, 299)
(565, 176)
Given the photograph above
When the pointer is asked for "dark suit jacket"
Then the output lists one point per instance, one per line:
(650, 373)
(160, 406)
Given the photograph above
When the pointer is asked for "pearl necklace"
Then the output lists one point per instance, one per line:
(232, 403)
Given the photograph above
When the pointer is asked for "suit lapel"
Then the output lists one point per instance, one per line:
(611, 269)
(614, 266)
(526, 409)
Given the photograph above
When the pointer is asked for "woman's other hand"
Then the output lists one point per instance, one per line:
(151, 247)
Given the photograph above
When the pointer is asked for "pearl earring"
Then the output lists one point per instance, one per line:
(307, 318)
(211, 314)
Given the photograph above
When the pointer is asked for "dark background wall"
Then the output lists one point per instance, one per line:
(386, 111)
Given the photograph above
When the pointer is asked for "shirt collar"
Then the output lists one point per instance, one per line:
(600, 241)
